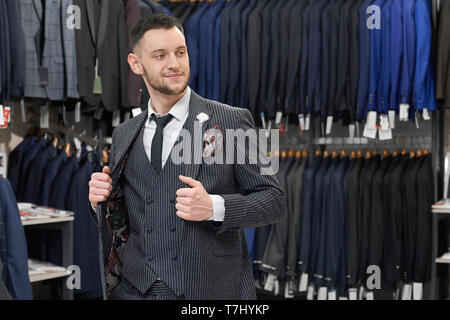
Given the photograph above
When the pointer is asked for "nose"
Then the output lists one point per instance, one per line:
(173, 62)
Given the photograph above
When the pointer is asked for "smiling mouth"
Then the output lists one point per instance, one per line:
(173, 76)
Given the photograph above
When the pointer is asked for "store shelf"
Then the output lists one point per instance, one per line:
(49, 275)
(45, 221)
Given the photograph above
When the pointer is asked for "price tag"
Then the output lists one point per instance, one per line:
(23, 112)
(7, 113)
(406, 292)
(351, 131)
(307, 122)
(288, 289)
(136, 111)
(78, 112)
(404, 107)
(301, 121)
(310, 293)
(303, 283)
(329, 124)
(426, 114)
(417, 290)
(332, 295)
(385, 129)
(2, 120)
(278, 118)
(45, 117)
(270, 282)
(322, 294)
(116, 118)
(370, 130)
(353, 294)
(362, 293)
(370, 295)
(391, 115)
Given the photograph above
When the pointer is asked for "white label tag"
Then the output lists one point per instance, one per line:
(45, 116)
(301, 121)
(370, 129)
(385, 130)
(263, 120)
(426, 114)
(404, 107)
(136, 111)
(288, 292)
(7, 112)
(351, 131)
(353, 294)
(391, 115)
(370, 296)
(303, 283)
(116, 118)
(310, 294)
(2, 120)
(78, 112)
(329, 124)
(270, 282)
(362, 293)
(278, 118)
(322, 294)
(23, 112)
(332, 295)
(406, 292)
(343, 298)
(307, 122)
(417, 291)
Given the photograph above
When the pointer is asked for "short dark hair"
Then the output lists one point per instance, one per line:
(152, 21)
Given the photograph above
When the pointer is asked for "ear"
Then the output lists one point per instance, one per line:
(135, 64)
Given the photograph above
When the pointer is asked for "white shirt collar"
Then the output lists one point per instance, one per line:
(178, 110)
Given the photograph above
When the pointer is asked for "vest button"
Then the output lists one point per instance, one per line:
(150, 259)
(150, 230)
(172, 201)
(175, 257)
(149, 202)
(173, 229)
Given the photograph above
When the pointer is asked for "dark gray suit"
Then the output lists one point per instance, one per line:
(196, 260)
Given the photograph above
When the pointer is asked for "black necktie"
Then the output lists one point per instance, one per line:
(157, 141)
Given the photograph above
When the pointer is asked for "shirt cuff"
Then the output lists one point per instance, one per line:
(218, 204)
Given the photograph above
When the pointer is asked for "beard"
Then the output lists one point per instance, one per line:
(160, 86)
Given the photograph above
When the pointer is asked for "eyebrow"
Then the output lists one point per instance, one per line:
(157, 50)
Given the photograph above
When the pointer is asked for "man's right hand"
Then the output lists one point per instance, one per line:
(100, 186)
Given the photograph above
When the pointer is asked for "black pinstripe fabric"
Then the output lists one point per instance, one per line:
(212, 259)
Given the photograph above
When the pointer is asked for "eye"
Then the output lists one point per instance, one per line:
(181, 53)
(159, 56)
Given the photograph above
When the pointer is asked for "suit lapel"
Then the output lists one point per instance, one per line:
(197, 105)
(91, 19)
(103, 23)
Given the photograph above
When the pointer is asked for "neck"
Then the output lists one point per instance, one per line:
(162, 103)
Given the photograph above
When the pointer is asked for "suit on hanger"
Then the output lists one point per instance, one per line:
(25, 166)
(15, 161)
(51, 171)
(61, 184)
(102, 38)
(302, 84)
(354, 58)
(443, 58)
(396, 51)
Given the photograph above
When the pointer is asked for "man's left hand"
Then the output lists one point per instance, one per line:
(193, 204)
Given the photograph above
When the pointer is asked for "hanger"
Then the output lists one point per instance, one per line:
(426, 152)
(343, 153)
(404, 151)
(68, 150)
(395, 153)
(359, 154)
(298, 154)
(412, 155)
(353, 154)
(55, 142)
(368, 155)
(276, 153)
(291, 153)
(419, 153)
(334, 155)
(284, 154)
(305, 154)
(375, 152)
(318, 152)
(385, 154)
(105, 156)
(326, 154)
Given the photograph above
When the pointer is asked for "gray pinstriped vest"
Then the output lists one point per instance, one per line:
(152, 249)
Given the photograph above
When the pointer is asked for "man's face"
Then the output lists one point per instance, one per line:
(165, 60)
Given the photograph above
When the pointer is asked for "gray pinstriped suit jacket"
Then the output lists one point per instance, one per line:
(215, 254)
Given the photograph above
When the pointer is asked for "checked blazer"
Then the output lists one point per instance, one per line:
(216, 262)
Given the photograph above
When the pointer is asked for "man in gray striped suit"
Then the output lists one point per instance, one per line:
(173, 230)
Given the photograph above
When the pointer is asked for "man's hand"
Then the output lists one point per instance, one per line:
(193, 204)
(100, 186)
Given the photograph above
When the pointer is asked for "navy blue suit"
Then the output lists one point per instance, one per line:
(384, 87)
(51, 171)
(85, 242)
(325, 57)
(17, 279)
(225, 49)
(15, 160)
(29, 156)
(364, 62)
(36, 173)
(61, 184)
(409, 53)
(396, 51)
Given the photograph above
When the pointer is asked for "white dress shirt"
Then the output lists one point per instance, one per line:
(180, 112)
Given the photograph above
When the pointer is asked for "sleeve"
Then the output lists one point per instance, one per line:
(261, 200)
(218, 204)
